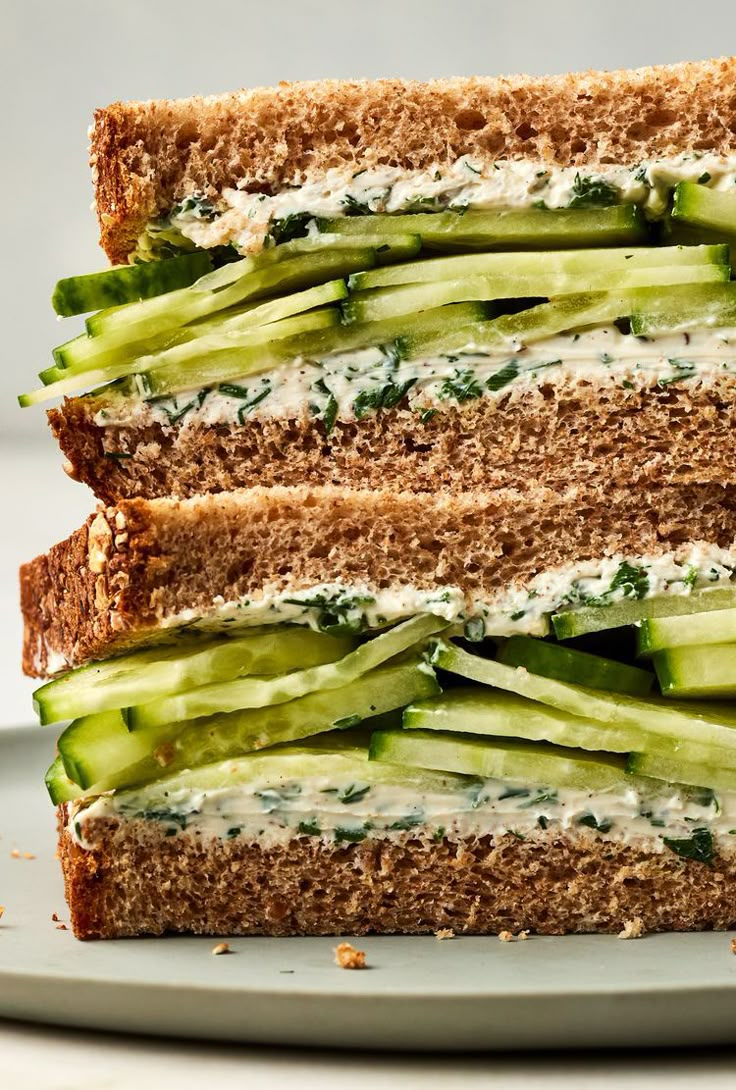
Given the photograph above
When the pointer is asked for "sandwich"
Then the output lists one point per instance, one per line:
(409, 601)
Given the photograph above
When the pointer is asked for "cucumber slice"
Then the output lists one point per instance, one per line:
(94, 743)
(154, 316)
(578, 667)
(224, 367)
(682, 308)
(144, 675)
(658, 634)
(663, 724)
(706, 672)
(379, 304)
(199, 339)
(506, 715)
(349, 765)
(59, 786)
(529, 227)
(585, 619)
(254, 692)
(127, 283)
(516, 762)
(205, 741)
(701, 207)
(678, 771)
(573, 264)
(254, 346)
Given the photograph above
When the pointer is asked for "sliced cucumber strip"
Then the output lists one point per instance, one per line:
(205, 741)
(660, 633)
(535, 227)
(506, 715)
(144, 675)
(253, 347)
(585, 619)
(572, 264)
(95, 742)
(706, 672)
(259, 692)
(701, 207)
(578, 667)
(663, 724)
(379, 304)
(681, 308)
(674, 770)
(154, 316)
(517, 762)
(59, 786)
(127, 283)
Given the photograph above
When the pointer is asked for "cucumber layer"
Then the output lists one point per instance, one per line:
(675, 770)
(700, 207)
(141, 676)
(577, 667)
(260, 692)
(585, 619)
(530, 227)
(516, 762)
(206, 741)
(127, 283)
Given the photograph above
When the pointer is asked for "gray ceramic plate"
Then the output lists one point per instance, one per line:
(467, 993)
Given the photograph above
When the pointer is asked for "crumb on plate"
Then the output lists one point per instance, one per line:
(347, 957)
(221, 948)
(444, 933)
(633, 929)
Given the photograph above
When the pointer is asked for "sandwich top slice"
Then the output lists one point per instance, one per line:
(442, 285)
(317, 711)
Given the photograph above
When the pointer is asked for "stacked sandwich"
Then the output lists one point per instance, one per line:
(410, 599)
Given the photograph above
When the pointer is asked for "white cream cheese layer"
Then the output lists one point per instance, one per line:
(512, 609)
(329, 806)
(598, 356)
(243, 218)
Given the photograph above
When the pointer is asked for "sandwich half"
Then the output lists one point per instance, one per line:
(409, 602)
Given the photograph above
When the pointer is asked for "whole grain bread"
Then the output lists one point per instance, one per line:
(132, 569)
(555, 433)
(146, 156)
(136, 880)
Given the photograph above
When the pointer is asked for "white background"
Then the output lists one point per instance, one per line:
(59, 59)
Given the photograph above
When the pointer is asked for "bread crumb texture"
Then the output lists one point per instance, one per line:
(347, 957)
(632, 929)
(145, 156)
(221, 948)
(135, 880)
(444, 933)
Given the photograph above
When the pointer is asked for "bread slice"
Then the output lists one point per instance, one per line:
(133, 879)
(556, 433)
(146, 566)
(146, 156)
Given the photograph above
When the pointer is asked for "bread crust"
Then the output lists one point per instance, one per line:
(555, 433)
(135, 880)
(145, 156)
(132, 568)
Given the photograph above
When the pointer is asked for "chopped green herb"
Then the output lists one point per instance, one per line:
(116, 455)
(354, 793)
(233, 832)
(542, 796)
(704, 178)
(704, 796)
(381, 397)
(632, 580)
(409, 822)
(463, 386)
(542, 821)
(198, 207)
(474, 629)
(698, 847)
(503, 377)
(681, 369)
(355, 207)
(515, 833)
(591, 822)
(426, 414)
(518, 615)
(592, 193)
(352, 836)
(514, 793)
(439, 834)
(309, 828)
(293, 226)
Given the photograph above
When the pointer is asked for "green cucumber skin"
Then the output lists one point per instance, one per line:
(576, 667)
(587, 619)
(60, 788)
(127, 283)
(694, 204)
(521, 762)
(679, 771)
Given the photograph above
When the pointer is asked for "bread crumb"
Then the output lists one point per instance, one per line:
(523, 936)
(2, 911)
(633, 929)
(444, 933)
(54, 917)
(221, 948)
(505, 936)
(733, 946)
(28, 855)
(61, 927)
(15, 854)
(347, 957)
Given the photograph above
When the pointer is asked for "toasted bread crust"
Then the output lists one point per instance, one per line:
(135, 880)
(133, 568)
(556, 433)
(147, 155)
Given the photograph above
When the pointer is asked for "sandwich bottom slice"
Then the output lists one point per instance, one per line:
(324, 711)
